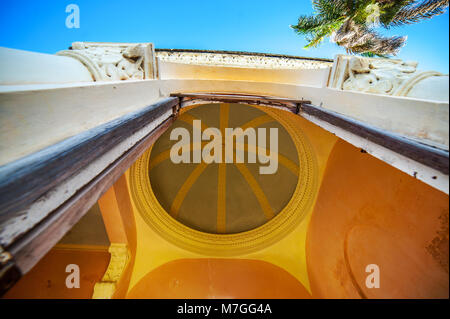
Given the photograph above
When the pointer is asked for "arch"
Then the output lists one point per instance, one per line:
(368, 212)
(241, 242)
(218, 278)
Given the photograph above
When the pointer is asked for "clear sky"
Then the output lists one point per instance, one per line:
(240, 25)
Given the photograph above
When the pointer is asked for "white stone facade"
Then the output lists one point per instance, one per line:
(388, 77)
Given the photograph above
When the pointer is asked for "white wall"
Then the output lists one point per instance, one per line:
(25, 67)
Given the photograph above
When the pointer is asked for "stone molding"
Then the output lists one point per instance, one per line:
(115, 61)
(239, 59)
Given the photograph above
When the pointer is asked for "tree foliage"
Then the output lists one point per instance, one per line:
(352, 23)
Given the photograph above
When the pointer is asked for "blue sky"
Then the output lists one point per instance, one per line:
(257, 26)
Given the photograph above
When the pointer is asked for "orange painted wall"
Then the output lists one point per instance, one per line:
(117, 212)
(368, 212)
(47, 278)
(218, 278)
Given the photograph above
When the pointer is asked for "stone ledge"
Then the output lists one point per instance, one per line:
(240, 59)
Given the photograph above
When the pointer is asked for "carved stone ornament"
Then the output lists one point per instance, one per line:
(386, 76)
(106, 288)
(115, 61)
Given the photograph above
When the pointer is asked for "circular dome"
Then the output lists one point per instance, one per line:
(224, 197)
(253, 191)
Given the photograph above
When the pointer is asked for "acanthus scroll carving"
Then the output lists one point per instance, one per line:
(386, 76)
(115, 61)
(372, 76)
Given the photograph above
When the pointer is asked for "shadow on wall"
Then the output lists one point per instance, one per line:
(368, 212)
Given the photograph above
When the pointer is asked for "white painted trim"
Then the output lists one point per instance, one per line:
(424, 173)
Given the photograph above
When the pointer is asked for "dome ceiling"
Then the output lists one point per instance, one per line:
(223, 198)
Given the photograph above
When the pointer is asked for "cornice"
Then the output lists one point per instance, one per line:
(240, 59)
